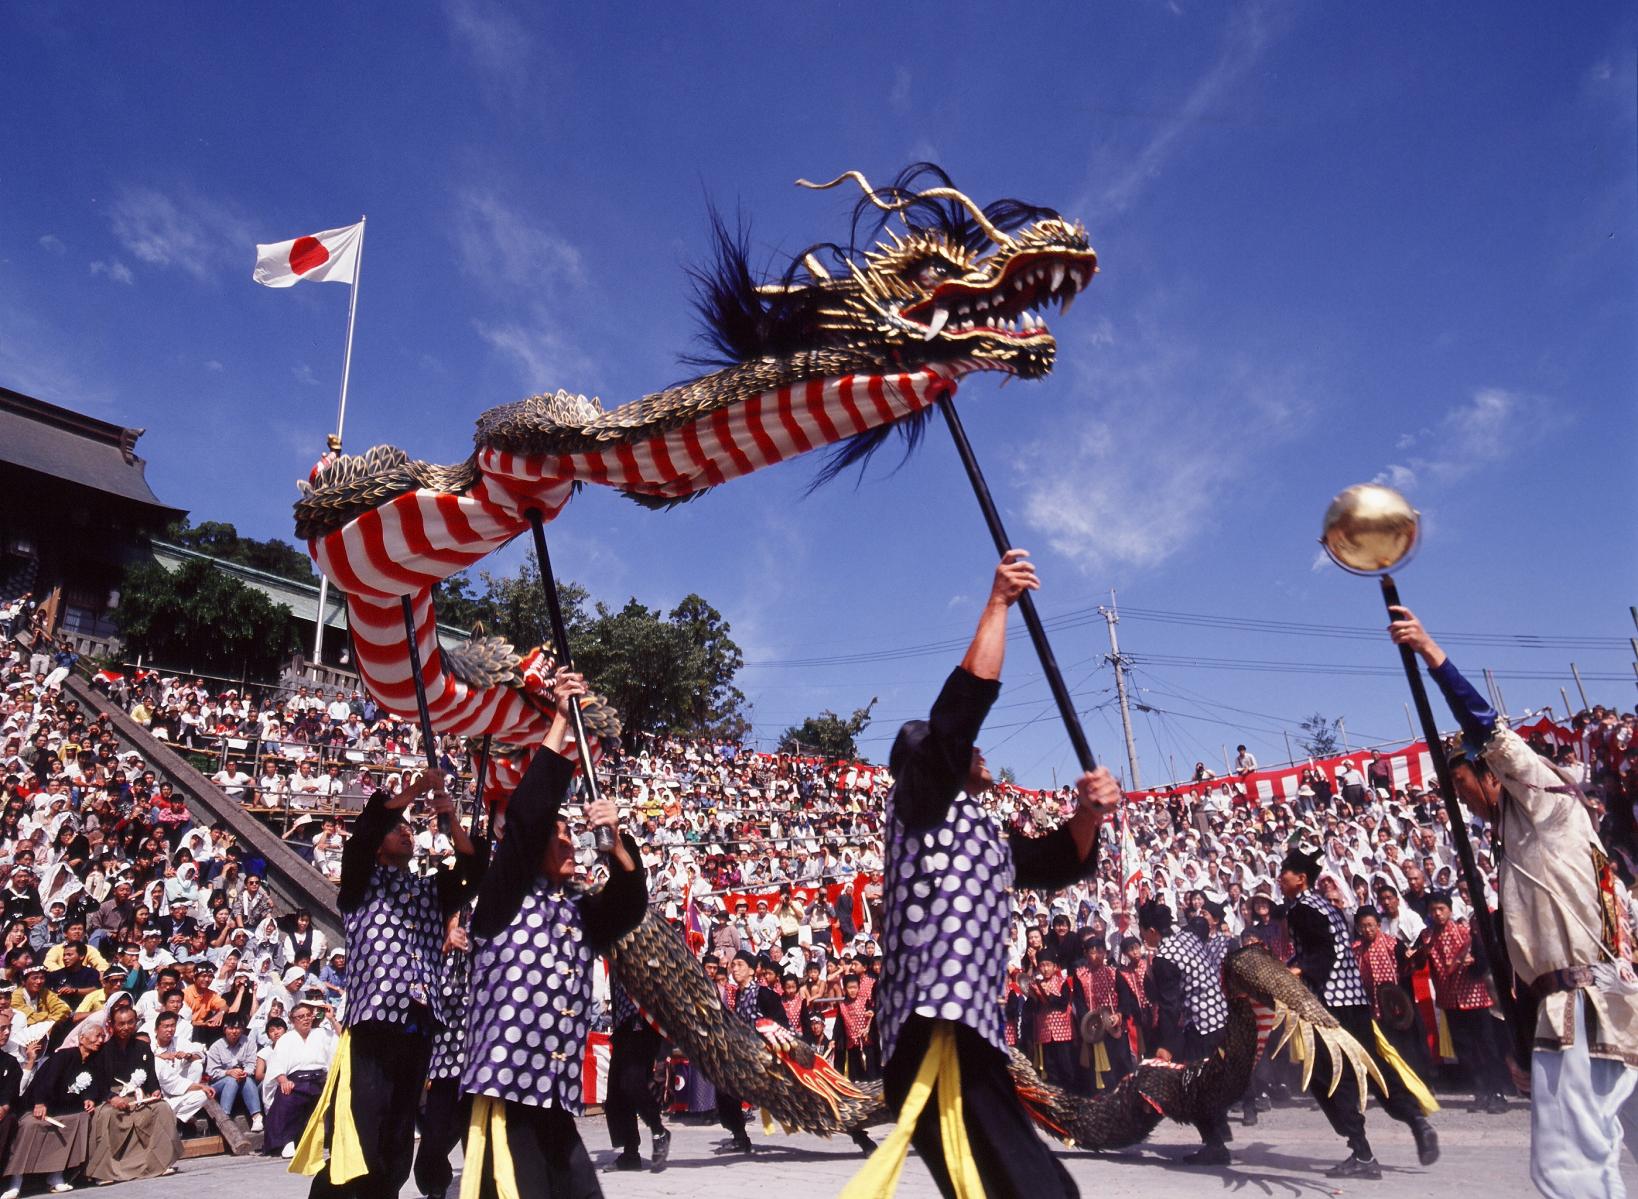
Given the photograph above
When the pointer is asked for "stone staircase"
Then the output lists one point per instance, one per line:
(291, 878)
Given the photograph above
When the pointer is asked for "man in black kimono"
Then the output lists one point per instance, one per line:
(395, 933)
(1325, 961)
(633, 1046)
(1190, 1012)
(946, 901)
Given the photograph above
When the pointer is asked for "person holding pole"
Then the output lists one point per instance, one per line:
(949, 870)
(395, 933)
(1563, 926)
(536, 937)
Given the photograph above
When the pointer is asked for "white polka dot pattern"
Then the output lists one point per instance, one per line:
(945, 926)
(448, 1047)
(1343, 986)
(532, 985)
(1203, 1000)
(394, 940)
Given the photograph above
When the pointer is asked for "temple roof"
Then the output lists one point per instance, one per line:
(76, 448)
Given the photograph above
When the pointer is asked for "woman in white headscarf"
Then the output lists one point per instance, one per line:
(183, 884)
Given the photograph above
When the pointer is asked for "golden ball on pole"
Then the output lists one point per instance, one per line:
(1370, 529)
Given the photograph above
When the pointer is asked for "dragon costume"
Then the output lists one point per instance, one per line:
(840, 349)
(1269, 1009)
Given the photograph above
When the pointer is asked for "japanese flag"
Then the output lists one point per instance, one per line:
(328, 257)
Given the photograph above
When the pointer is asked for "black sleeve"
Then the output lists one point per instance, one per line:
(459, 882)
(619, 906)
(1311, 938)
(530, 814)
(358, 855)
(1058, 1002)
(11, 1080)
(1126, 997)
(941, 751)
(771, 1007)
(1165, 986)
(1052, 862)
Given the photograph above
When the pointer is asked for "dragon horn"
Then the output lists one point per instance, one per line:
(966, 201)
(932, 193)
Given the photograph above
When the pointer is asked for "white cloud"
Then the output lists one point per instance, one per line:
(304, 374)
(546, 358)
(503, 247)
(216, 367)
(52, 244)
(1471, 436)
(185, 231)
(496, 42)
(115, 270)
(1137, 468)
(899, 95)
(1250, 31)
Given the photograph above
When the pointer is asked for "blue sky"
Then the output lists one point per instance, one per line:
(1338, 242)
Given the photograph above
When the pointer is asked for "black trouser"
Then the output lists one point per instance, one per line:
(1476, 1051)
(731, 1113)
(548, 1158)
(1119, 1050)
(1058, 1063)
(1342, 1108)
(442, 1124)
(388, 1070)
(631, 1071)
(858, 1063)
(1011, 1158)
(1214, 1129)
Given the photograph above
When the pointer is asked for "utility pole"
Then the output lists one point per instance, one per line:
(1494, 689)
(1290, 757)
(1633, 641)
(1112, 618)
(1343, 729)
(1410, 722)
(1578, 686)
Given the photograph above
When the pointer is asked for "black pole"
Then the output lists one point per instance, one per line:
(1026, 602)
(477, 788)
(560, 637)
(1486, 919)
(425, 712)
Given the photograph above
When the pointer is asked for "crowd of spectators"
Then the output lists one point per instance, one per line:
(116, 898)
(775, 854)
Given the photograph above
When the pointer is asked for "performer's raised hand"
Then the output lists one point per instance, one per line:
(429, 780)
(1097, 798)
(1014, 576)
(603, 814)
(1408, 631)
(567, 687)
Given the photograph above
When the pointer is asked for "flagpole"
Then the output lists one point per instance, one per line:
(341, 420)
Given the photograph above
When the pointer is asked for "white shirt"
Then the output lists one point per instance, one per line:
(232, 785)
(293, 1053)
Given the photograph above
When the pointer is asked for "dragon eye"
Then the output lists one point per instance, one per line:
(931, 272)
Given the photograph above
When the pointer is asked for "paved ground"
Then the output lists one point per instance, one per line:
(1485, 1157)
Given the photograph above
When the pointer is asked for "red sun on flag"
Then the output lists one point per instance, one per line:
(306, 253)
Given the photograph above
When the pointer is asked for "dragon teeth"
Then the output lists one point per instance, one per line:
(1069, 298)
(941, 317)
(1058, 270)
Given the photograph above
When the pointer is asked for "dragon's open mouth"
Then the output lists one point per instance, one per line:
(1006, 306)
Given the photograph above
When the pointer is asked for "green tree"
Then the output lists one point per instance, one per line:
(458, 605)
(514, 607)
(827, 734)
(198, 618)
(1320, 737)
(220, 539)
